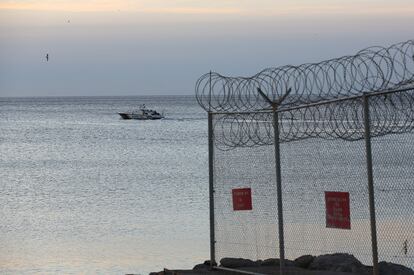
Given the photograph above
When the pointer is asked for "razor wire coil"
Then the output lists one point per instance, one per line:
(244, 117)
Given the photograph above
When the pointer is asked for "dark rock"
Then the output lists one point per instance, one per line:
(275, 262)
(304, 261)
(204, 266)
(386, 268)
(201, 267)
(207, 262)
(237, 262)
(271, 262)
(340, 262)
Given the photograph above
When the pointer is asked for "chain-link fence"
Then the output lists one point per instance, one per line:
(246, 234)
(309, 169)
(313, 173)
(393, 160)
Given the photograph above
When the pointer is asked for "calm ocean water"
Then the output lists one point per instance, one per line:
(85, 192)
(82, 191)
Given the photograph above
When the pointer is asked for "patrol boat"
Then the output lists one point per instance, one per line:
(142, 114)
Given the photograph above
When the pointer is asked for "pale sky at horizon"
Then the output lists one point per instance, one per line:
(149, 47)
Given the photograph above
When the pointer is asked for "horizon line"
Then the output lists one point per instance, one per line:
(68, 96)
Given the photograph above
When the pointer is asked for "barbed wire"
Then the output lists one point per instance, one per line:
(370, 70)
(390, 113)
(321, 100)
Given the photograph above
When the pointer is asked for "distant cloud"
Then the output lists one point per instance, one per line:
(56, 5)
(153, 6)
(248, 7)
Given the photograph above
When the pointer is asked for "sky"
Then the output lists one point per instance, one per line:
(161, 47)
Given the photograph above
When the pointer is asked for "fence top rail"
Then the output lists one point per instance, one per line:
(372, 70)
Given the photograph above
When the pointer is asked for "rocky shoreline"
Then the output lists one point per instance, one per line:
(329, 264)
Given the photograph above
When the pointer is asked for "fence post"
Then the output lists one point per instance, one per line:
(279, 187)
(370, 176)
(211, 189)
(275, 105)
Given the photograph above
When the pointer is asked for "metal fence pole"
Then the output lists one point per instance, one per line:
(211, 189)
(275, 105)
(279, 188)
(370, 185)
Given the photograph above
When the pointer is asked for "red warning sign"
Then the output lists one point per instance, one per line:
(242, 199)
(338, 214)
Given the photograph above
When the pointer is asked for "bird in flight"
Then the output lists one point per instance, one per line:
(47, 57)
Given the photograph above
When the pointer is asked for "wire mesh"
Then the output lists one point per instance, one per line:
(247, 234)
(393, 160)
(310, 168)
(320, 112)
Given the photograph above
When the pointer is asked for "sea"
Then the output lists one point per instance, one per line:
(83, 191)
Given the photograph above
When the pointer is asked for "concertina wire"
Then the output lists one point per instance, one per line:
(316, 100)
